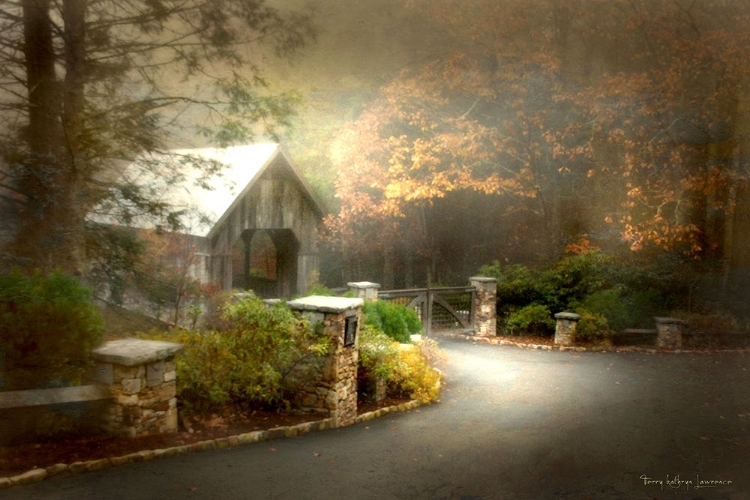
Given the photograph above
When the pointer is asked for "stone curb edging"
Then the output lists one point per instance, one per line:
(545, 347)
(36, 475)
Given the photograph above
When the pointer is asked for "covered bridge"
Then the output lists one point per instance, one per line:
(257, 222)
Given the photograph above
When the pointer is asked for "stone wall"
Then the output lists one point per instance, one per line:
(333, 391)
(142, 380)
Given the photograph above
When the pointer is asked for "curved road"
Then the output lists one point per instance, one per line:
(512, 424)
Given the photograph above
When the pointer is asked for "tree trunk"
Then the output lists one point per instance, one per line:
(52, 224)
(388, 269)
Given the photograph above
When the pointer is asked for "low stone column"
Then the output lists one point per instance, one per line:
(485, 306)
(565, 328)
(364, 289)
(669, 332)
(142, 380)
(335, 390)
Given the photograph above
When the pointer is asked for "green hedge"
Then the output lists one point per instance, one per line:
(48, 328)
(395, 320)
(625, 296)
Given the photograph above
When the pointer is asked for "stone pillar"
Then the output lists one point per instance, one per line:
(335, 390)
(485, 306)
(364, 289)
(669, 332)
(565, 328)
(142, 380)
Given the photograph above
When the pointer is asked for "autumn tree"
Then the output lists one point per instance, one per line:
(481, 121)
(90, 86)
(623, 121)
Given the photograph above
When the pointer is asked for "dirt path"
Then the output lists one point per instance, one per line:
(512, 424)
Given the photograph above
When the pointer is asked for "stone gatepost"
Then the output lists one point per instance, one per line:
(335, 390)
(565, 328)
(142, 380)
(669, 332)
(485, 306)
(364, 289)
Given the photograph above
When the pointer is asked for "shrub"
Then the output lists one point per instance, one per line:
(613, 306)
(626, 295)
(48, 328)
(516, 284)
(258, 359)
(407, 370)
(395, 320)
(378, 355)
(592, 328)
(377, 351)
(414, 376)
(709, 322)
(534, 318)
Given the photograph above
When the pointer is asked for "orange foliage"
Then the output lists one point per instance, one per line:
(520, 113)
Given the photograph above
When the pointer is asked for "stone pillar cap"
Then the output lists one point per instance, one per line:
(483, 279)
(568, 315)
(669, 321)
(363, 284)
(132, 352)
(325, 304)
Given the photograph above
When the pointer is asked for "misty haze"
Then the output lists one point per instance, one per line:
(533, 214)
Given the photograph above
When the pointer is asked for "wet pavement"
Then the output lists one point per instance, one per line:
(512, 424)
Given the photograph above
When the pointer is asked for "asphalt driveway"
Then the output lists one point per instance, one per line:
(512, 424)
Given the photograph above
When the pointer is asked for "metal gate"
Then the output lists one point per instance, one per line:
(440, 309)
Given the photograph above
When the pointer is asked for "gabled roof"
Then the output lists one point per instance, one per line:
(208, 201)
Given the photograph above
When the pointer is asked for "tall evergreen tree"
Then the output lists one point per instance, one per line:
(87, 86)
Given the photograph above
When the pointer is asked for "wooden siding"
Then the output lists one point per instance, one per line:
(276, 201)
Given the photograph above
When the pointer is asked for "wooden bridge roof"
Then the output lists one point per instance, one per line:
(208, 201)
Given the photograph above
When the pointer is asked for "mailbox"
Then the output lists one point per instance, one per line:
(350, 331)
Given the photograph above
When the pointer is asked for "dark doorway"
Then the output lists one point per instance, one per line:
(265, 261)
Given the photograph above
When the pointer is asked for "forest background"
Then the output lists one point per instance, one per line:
(445, 135)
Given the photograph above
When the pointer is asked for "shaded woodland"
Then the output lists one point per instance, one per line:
(442, 135)
(547, 128)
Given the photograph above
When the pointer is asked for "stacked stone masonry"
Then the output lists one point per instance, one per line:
(142, 380)
(334, 390)
(565, 328)
(669, 332)
(485, 321)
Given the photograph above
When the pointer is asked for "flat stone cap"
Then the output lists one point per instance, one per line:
(325, 304)
(363, 284)
(567, 315)
(483, 279)
(669, 321)
(131, 352)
